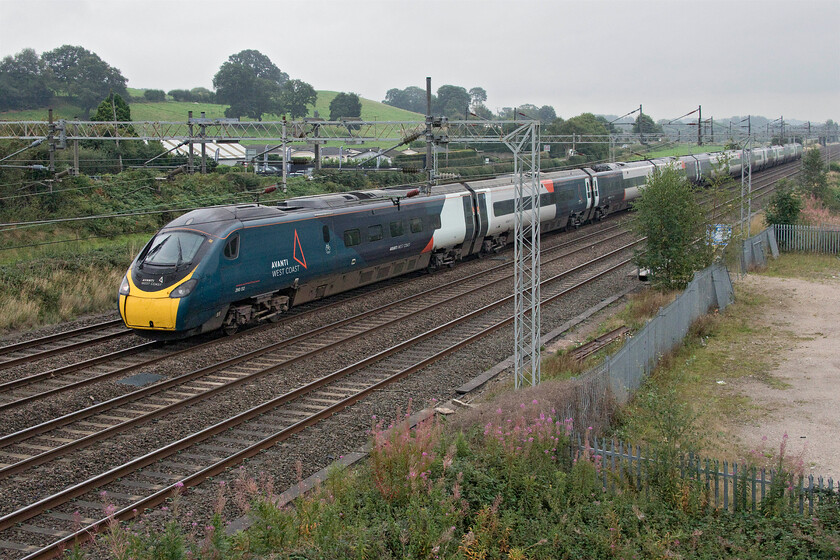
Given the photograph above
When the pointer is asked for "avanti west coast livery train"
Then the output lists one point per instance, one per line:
(225, 267)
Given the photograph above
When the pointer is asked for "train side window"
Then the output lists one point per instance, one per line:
(232, 247)
(416, 225)
(397, 229)
(326, 231)
(503, 207)
(434, 221)
(375, 233)
(352, 237)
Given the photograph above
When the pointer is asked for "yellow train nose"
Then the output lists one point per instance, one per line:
(149, 310)
(143, 312)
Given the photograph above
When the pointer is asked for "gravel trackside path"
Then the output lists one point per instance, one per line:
(806, 404)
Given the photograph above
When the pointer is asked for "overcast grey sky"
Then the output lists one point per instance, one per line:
(737, 57)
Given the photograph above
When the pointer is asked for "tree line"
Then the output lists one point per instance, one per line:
(29, 81)
(249, 82)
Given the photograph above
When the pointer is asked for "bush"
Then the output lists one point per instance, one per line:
(784, 206)
(180, 95)
(153, 95)
(202, 95)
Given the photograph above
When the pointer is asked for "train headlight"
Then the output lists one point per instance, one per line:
(124, 286)
(184, 289)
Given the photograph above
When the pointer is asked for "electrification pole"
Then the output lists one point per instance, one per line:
(76, 150)
(51, 142)
(746, 182)
(190, 154)
(203, 134)
(699, 125)
(429, 166)
(526, 253)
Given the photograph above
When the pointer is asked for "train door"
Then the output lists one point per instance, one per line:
(333, 247)
(472, 229)
(590, 198)
(481, 221)
(230, 267)
(596, 198)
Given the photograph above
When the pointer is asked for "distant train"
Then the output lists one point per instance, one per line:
(229, 266)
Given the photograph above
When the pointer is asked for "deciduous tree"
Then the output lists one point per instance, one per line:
(345, 105)
(260, 65)
(674, 224)
(246, 93)
(814, 178)
(83, 75)
(295, 95)
(585, 124)
(477, 96)
(23, 82)
(784, 205)
(645, 125)
(452, 101)
(411, 98)
(154, 95)
(253, 85)
(547, 114)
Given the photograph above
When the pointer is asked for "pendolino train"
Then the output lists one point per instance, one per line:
(225, 267)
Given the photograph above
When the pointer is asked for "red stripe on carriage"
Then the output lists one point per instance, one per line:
(429, 246)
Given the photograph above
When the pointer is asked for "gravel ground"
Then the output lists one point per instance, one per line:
(803, 400)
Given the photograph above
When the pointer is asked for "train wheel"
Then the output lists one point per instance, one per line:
(229, 325)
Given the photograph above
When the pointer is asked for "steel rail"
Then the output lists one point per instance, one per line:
(56, 337)
(5, 364)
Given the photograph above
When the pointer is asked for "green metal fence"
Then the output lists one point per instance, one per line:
(811, 239)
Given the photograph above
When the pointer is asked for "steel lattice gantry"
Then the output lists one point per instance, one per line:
(308, 130)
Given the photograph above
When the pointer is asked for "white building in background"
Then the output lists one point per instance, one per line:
(224, 153)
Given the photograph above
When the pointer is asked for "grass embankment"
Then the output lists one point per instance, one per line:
(178, 110)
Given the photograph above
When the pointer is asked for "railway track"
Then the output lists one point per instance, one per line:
(64, 342)
(122, 413)
(31, 389)
(328, 393)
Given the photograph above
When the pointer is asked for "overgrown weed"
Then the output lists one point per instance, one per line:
(512, 487)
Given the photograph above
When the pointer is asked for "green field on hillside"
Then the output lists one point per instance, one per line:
(178, 110)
